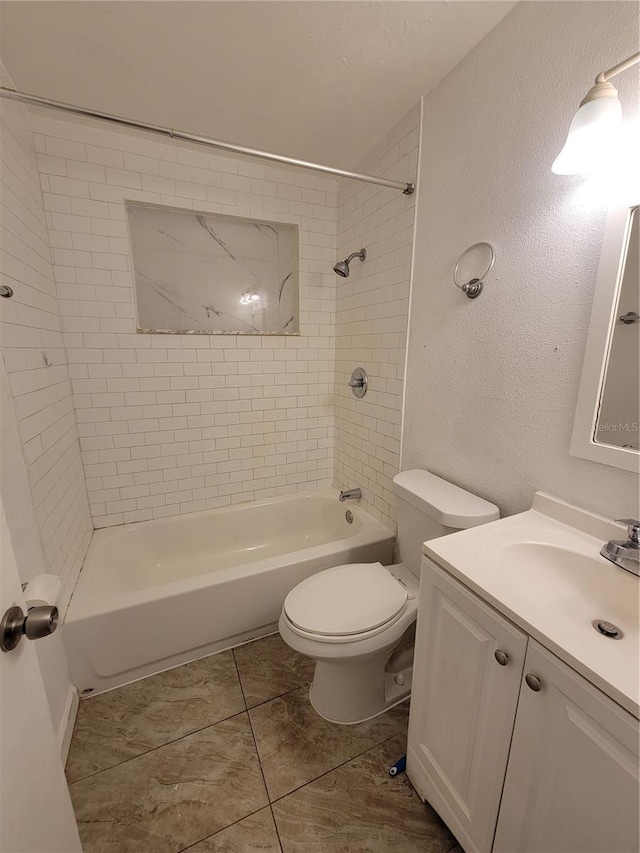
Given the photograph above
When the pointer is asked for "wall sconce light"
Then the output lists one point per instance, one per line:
(596, 127)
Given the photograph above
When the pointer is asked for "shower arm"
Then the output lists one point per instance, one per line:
(37, 101)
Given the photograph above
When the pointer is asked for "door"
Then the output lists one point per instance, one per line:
(572, 779)
(35, 808)
(467, 668)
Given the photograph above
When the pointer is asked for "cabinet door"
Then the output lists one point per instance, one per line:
(572, 780)
(463, 706)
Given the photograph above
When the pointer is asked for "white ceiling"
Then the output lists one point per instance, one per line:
(321, 80)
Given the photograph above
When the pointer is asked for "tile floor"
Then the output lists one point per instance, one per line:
(226, 755)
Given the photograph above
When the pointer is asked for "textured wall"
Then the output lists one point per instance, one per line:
(492, 383)
(371, 318)
(175, 424)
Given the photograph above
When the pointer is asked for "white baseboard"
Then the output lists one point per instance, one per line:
(67, 723)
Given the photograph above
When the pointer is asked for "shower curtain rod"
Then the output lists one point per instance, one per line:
(37, 101)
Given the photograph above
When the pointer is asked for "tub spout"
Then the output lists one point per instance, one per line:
(350, 495)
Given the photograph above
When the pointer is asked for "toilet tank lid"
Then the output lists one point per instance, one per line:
(445, 503)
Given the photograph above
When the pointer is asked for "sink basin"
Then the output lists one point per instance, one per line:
(548, 577)
(582, 587)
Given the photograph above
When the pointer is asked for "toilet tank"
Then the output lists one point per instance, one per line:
(428, 506)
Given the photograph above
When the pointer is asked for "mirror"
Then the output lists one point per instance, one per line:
(607, 423)
(617, 422)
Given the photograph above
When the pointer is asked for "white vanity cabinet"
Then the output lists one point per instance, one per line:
(507, 741)
(572, 778)
(468, 665)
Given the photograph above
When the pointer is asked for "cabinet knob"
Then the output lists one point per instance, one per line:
(533, 682)
(501, 657)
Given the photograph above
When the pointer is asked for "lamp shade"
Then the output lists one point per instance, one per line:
(592, 137)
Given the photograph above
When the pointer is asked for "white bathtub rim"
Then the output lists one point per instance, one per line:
(119, 600)
(103, 534)
(87, 602)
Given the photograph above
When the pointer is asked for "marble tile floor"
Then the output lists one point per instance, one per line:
(226, 755)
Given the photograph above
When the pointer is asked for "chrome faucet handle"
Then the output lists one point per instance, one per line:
(633, 529)
(359, 382)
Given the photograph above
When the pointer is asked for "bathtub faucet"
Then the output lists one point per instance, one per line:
(350, 495)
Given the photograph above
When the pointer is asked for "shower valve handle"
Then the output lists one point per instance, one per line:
(358, 382)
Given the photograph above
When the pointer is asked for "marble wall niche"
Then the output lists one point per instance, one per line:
(203, 273)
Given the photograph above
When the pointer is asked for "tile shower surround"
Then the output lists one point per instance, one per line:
(32, 325)
(171, 424)
(372, 308)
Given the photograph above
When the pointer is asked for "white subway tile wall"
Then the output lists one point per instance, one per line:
(372, 309)
(31, 329)
(177, 424)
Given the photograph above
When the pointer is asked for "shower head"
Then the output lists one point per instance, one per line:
(342, 267)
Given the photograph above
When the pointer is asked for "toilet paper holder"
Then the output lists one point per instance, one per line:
(42, 589)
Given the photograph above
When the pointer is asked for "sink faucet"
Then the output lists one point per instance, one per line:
(625, 554)
(350, 495)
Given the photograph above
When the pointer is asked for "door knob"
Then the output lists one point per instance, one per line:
(39, 622)
(501, 657)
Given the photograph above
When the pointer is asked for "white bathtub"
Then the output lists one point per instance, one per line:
(160, 593)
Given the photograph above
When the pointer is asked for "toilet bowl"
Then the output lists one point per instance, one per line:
(350, 619)
(358, 620)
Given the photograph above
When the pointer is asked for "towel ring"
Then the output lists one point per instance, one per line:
(473, 287)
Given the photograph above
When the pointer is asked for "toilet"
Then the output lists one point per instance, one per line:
(357, 621)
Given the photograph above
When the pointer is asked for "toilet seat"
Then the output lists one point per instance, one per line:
(346, 603)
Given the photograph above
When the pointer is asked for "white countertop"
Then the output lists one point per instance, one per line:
(513, 565)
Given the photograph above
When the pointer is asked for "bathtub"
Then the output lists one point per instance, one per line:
(157, 594)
